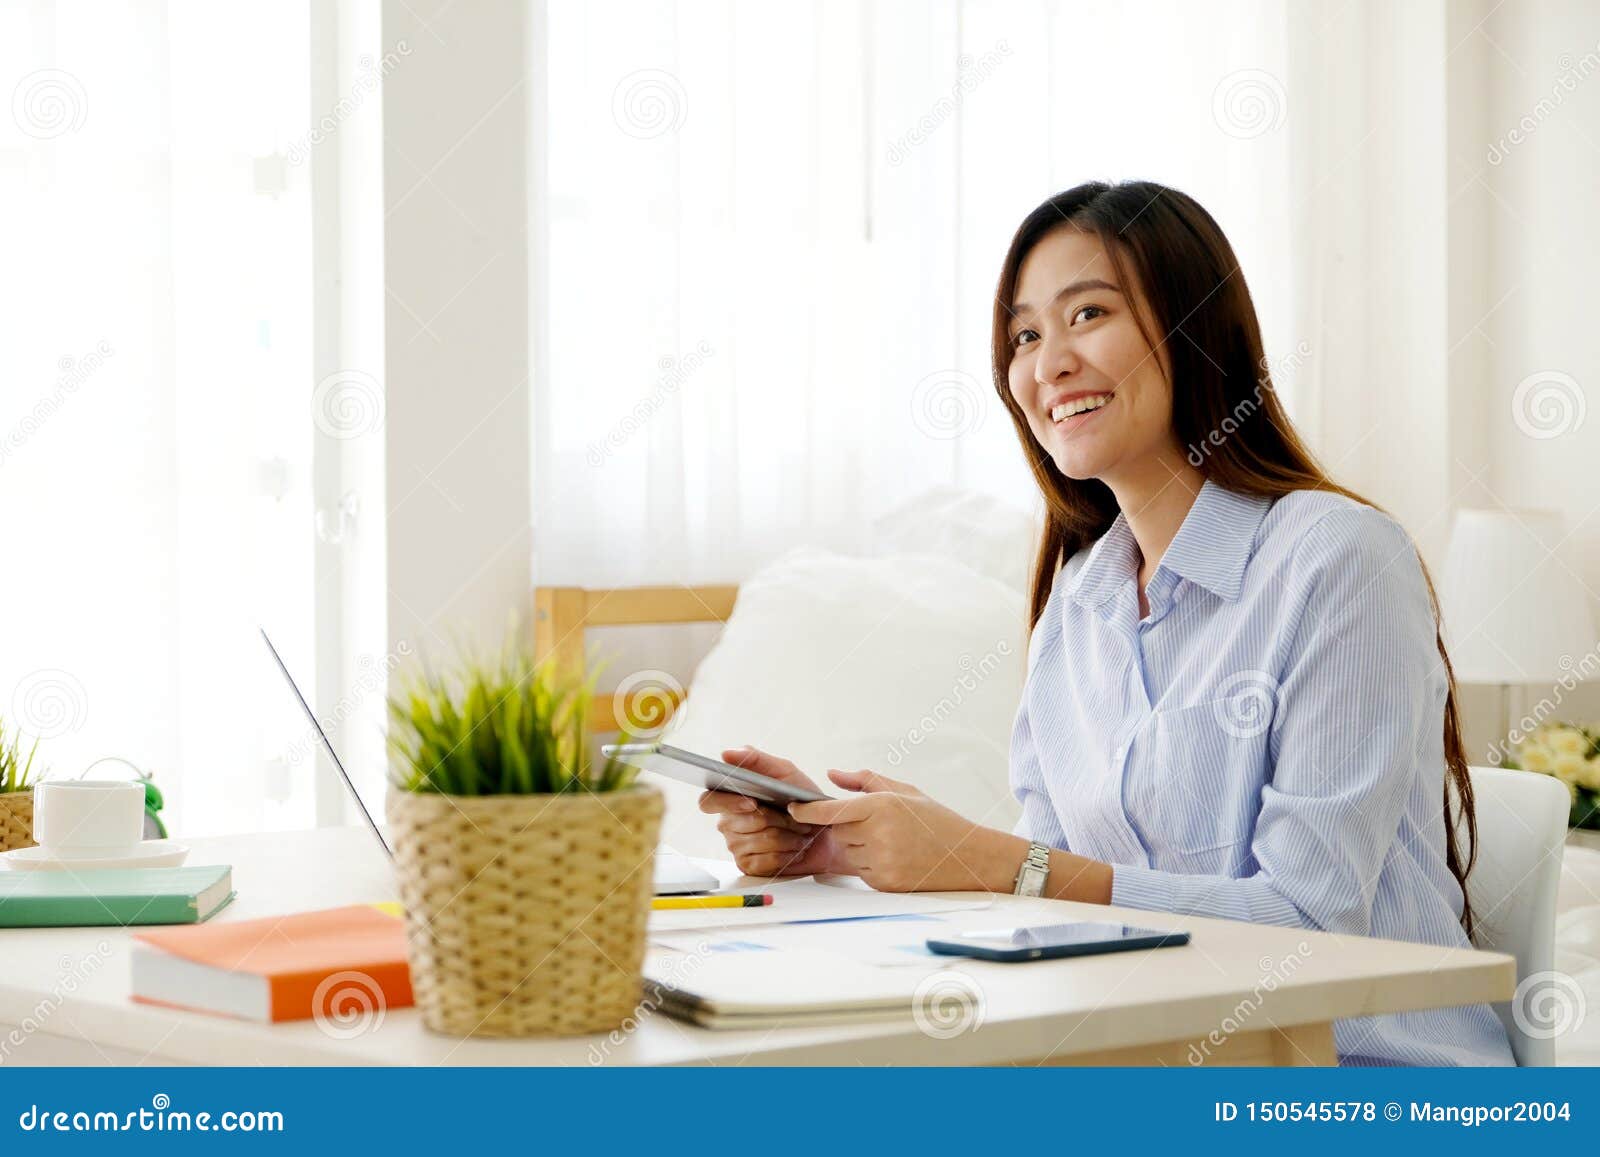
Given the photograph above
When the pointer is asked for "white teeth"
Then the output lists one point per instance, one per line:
(1078, 406)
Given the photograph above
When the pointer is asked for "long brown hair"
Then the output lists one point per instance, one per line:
(1193, 290)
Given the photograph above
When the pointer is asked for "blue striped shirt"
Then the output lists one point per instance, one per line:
(1265, 745)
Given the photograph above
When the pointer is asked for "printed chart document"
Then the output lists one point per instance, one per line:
(827, 949)
(896, 941)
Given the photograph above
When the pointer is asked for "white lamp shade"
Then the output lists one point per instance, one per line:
(1512, 612)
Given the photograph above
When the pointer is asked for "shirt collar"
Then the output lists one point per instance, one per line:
(1211, 548)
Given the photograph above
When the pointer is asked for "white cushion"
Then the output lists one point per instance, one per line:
(910, 665)
(979, 530)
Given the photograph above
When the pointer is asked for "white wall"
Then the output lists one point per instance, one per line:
(456, 342)
(1524, 268)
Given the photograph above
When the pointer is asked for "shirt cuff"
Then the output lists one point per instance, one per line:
(1251, 899)
(1135, 887)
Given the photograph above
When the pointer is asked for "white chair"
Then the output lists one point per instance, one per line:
(1522, 828)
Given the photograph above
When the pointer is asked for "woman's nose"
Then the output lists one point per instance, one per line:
(1056, 360)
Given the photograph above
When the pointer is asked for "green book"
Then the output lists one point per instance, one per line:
(59, 899)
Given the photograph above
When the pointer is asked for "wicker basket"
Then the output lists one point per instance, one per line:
(525, 914)
(16, 820)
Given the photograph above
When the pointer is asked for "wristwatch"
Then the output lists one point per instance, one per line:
(1034, 872)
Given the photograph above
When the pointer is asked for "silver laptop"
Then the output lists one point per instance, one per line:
(675, 874)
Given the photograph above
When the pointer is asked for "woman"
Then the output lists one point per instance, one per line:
(1238, 702)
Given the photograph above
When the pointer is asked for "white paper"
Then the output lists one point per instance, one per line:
(808, 898)
(894, 941)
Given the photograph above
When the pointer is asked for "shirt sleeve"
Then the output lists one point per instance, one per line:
(1038, 821)
(1361, 698)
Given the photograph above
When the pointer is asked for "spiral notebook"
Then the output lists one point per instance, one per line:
(775, 990)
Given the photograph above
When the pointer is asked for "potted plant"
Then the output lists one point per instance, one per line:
(16, 791)
(1570, 753)
(525, 866)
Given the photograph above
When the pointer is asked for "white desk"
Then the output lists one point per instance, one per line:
(1268, 999)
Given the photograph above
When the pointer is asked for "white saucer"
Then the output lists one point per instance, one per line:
(150, 854)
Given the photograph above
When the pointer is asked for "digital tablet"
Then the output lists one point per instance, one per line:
(711, 774)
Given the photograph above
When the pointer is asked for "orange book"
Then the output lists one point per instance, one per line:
(341, 966)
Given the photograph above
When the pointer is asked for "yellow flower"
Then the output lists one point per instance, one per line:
(1568, 741)
(1591, 774)
(1535, 758)
(1568, 767)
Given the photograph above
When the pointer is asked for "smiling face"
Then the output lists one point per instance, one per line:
(1096, 396)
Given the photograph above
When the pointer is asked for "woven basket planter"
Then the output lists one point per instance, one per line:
(16, 820)
(525, 914)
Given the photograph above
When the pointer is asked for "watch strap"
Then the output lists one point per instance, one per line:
(1034, 872)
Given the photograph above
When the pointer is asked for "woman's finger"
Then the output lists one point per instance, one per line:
(770, 864)
(726, 802)
(765, 842)
(836, 811)
(764, 763)
(742, 824)
(760, 818)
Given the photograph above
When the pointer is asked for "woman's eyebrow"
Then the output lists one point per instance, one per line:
(1021, 309)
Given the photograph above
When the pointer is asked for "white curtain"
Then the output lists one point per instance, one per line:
(1375, 123)
(155, 430)
(768, 237)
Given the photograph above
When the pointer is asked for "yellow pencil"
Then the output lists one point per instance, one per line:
(666, 903)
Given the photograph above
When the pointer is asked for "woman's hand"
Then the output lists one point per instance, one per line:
(898, 840)
(766, 841)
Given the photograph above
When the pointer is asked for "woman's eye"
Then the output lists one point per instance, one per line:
(1024, 337)
(1081, 310)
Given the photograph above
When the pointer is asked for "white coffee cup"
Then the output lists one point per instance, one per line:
(88, 817)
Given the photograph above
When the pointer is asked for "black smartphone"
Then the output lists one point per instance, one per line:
(1046, 941)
